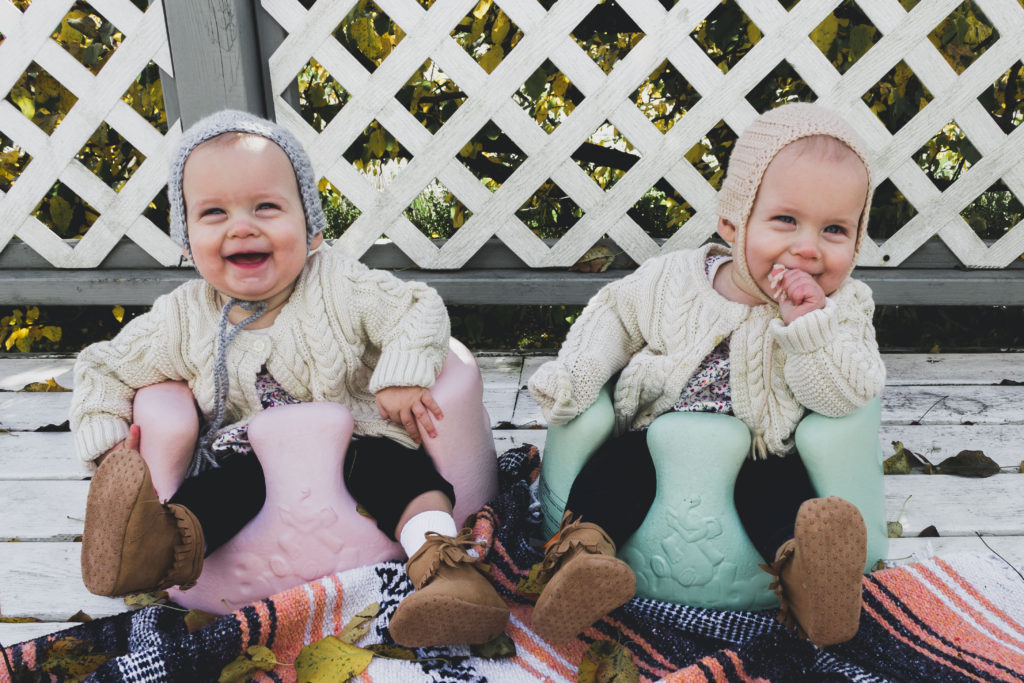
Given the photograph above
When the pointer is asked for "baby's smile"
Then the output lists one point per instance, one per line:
(249, 258)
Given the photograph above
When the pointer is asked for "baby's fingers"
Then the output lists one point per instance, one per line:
(422, 414)
(428, 400)
(408, 420)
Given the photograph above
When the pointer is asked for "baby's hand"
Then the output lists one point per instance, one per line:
(796, 292)
(131, 443)
(410, 407)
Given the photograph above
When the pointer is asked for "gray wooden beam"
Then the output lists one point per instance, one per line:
(919, 287)
(216, 57)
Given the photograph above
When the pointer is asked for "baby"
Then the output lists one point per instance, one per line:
(274, 321)
(765, 331)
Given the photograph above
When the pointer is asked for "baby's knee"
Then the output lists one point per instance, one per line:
(167, 408)
(329, 421)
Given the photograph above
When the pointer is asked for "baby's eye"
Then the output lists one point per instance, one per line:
(836, 230)
(784, 219)
(266, 206)
(212, 211)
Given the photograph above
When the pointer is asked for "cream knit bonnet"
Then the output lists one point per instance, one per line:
(753, 152)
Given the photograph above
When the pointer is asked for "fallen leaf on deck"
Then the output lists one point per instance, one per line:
(197, 619)
(596, 260)
(499, 648)
(969, 464)
(70, 659)
(19, 620)
(47, 386)
(903, 461)
(929, 532)
(1010, 383)
(255, 658)
(894, 529)
(530, 585)
(330, 660)
(606, 661)
(79, 617)
(359, 624)
(145, 599)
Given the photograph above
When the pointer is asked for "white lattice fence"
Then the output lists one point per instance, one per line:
(27, 40)
(489, 97)
(547, 35)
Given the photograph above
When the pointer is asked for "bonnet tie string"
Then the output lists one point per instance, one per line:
(204, 457)
(758, 447)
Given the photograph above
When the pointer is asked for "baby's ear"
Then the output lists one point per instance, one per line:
(318, 239)
(727, 230)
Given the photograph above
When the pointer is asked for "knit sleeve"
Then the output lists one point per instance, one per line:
(107, 375)
(406, 320)
(833, 365)
(614, 325)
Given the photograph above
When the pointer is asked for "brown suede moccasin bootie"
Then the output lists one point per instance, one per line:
(584, 581)
(454, 602)
(133, 542)
(818, 572)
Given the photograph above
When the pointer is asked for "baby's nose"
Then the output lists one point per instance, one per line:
(806, 247)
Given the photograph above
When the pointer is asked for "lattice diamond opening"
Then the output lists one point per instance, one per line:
(369, 34)
(64, 212)
(1005, 99)
(661, 210)
(146, 96)
(550, 212)
(158, 212)
(606, 156)
(338, 210)
(890, 211)
(897, 97)
(665, 96)
(607, 34)
(709, 156)
(487, 34)
(994, 212)
(321, 96)
(845, 35)
(963, 36)
(377, 154)
(726, 35)
(87, 36)
(946, 155)
(110, 156)
(491, 156)
(41, 97)
(548, 96)
(437, 212)
(431, 96)
(782, 84)
(13, 161)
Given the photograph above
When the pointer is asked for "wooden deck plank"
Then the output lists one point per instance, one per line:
(15, 373)
(27, 412)
(1002, 443)
(953, 368)
(39, 455)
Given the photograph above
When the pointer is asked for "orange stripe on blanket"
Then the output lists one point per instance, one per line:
(927, 607)
(973, 592)
(738, 663)
(956, 596)
(695, 674)
(984, 644)
(638, 640)
(28, 659)
(529, 641)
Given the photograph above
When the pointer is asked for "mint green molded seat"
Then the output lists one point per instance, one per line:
(692, 549)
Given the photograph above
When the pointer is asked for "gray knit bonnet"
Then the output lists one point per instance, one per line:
(231, 121)
(753, 152)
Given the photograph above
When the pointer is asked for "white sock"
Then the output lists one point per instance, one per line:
(412, 537)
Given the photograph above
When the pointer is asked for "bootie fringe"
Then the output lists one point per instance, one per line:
(572, 534)
(188, 552)
(449, 552)
(785, 615)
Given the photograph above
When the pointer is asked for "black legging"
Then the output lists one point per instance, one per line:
(380, 474)
(616, 488)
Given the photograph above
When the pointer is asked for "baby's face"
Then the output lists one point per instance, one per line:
(806, 216)
(246, 225)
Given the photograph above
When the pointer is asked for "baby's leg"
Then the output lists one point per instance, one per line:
(169, 426)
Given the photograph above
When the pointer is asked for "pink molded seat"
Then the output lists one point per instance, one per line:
(308, 526)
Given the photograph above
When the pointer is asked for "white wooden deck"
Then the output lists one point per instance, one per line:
(936, 405)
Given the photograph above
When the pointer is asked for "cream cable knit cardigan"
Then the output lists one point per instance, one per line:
(346, 332)
(657, 324)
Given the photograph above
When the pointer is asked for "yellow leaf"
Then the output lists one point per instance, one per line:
(391, 651)
(330, 660)
(145, 599)
(753, 33)
(458, 216)
(378, 142)
(481, 8)
(197, 619)
(607, 661)
(60, 212)
(48, 386)
(118, 313)
(69, 658)
(366, 37)
(531, 585)
(492, 58)
(500, 28)
(825, 33)
(255, 658)
(51, 332)
(501, 647)
(360, 624)
(24, 100)
(559, 85)
(31, 315)
(19, 337)
(596, 260)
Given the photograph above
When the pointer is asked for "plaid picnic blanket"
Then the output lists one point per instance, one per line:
(952, 619)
